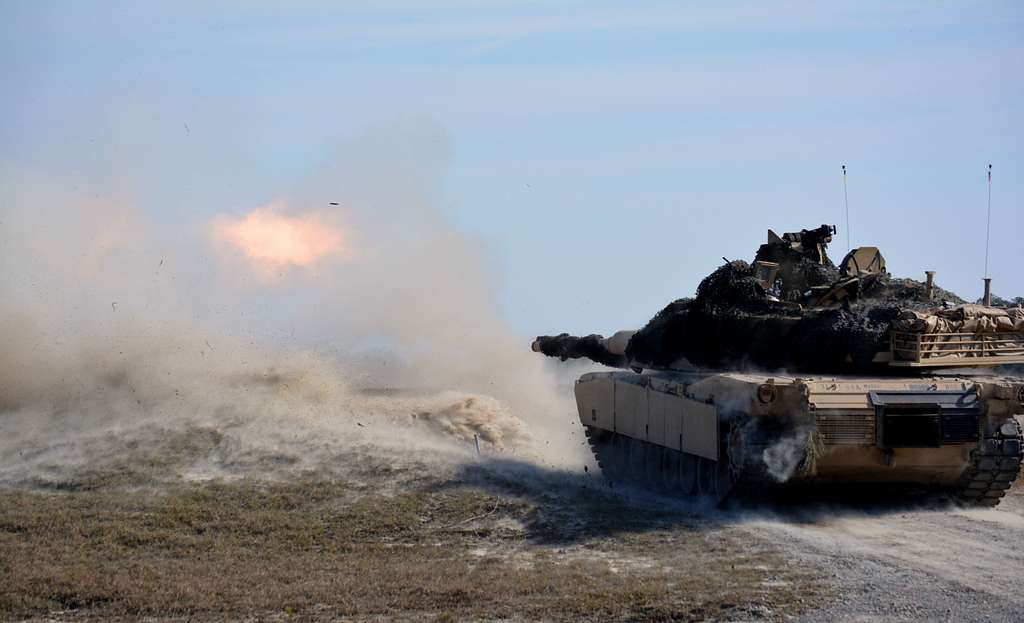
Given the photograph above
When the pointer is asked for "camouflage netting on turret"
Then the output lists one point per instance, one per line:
(908, 293)
(730, 323)
(810, 316)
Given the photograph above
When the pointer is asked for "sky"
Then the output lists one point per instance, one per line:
(606, 155)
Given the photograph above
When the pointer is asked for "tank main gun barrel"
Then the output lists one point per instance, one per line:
(609, 351)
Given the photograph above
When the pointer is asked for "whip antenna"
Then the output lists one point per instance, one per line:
(988, 220)
(846, 202)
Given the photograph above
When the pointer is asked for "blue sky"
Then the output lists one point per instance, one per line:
(609, 154)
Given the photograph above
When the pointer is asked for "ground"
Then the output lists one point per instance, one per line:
(494, 538)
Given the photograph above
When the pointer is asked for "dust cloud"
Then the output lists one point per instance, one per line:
(349, 312)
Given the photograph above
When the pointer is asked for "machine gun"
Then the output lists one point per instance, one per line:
(810, 243)
(799, 259)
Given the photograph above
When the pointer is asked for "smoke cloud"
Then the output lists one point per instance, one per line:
(294, 329)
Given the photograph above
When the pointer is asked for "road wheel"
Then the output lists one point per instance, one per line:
(618, 457)
(654, 457)
(688, 472)
(670, 465)
(637, 461)
(707, 478)
(717, 478)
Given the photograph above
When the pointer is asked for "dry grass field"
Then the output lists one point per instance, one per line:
(122, 542)
(378, 536)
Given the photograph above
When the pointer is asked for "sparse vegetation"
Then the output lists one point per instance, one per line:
(318, 548)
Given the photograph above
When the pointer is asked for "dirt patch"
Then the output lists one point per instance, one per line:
(476, 419)
(919, 561)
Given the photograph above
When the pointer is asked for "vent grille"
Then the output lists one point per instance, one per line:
(843, 429)
(960, 427)
(911, 427)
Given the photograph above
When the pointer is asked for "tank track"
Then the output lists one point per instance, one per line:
(995, 465)
(601, 447)
(623, 459)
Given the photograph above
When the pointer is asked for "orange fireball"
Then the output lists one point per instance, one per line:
(275, 240)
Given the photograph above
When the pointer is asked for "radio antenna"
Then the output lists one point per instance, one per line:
(988, 220)
(846, 202)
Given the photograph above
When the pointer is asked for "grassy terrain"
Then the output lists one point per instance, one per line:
(311, 548)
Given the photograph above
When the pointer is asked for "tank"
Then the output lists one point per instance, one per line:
(791, 369)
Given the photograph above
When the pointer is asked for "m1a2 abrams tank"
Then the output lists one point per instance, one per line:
(793, 369)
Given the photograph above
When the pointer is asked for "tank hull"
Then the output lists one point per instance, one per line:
(729, 432)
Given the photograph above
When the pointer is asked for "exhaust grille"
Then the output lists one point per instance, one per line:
(843, 429)
(960, 427)
(911, 427)
(926, 419)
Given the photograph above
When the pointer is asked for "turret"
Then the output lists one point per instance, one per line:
(793, 309)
